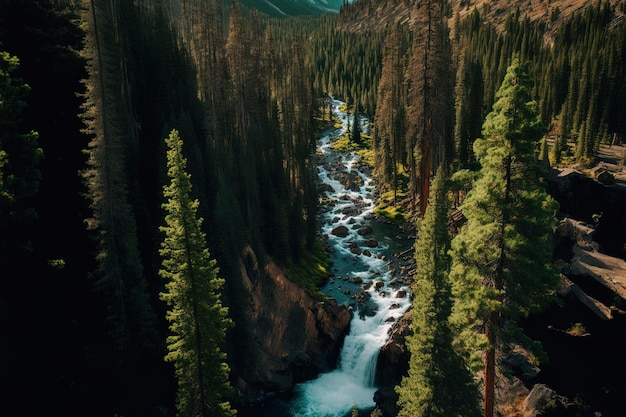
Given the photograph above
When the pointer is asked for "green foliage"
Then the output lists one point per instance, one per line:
(579, 76)
(577, 329)
(389, 207)
(347, 143)
(376, 413)
(198, 320)
(20, 156)
(438, 381)
(345, 64)
(312, 270)
(501, 259)
(120, 279)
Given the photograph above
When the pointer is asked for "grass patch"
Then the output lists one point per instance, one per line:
(393, 213)
(577, 329)
(367, 155)
(387, 209)
(346, 144)
(312, 270)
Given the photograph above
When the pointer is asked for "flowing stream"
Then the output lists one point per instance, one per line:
(361, 279)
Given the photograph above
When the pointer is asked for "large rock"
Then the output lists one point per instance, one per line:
(288, 335)
(584, 259)
(340, 231)
(543, 401)
(350, 180)
(600, 205)
(393, 363)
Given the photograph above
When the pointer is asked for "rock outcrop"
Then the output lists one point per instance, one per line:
(291, 336)
(588, 200)
(393, 362)
(542, 400)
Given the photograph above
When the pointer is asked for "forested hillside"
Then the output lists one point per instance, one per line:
(91, 89)
(109, 81)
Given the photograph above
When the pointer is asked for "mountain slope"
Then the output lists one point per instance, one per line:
(364, 15)
(553, 12)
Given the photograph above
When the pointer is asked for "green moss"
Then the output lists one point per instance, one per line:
(577, 329)
(363, 148)
(343, 144)
(312, 270)
(367, 155)
(391, 212)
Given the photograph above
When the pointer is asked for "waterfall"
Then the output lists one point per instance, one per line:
(333, 394)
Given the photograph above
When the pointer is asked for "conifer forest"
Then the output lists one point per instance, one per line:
(166, 167)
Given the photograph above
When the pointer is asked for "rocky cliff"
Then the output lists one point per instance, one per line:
(291, 335)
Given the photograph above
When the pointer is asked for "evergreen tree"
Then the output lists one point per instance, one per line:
(469, 96)
(438, 382)
(429, 97)
(20, 156)
(121, 280)
(501, 258)
(198, 320)
(390, 121)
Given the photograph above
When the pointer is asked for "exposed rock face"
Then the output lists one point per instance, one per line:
(393, 363)
(544, 401)
(585, 199)
(292, 335)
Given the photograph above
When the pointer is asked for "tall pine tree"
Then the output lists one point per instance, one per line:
(120, 275)
(429, 100)
(198, 320)
(501, 259)
(438, 382)
(20, 156)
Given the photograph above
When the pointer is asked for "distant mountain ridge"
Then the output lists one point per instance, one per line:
(551, 11)
(284, 8)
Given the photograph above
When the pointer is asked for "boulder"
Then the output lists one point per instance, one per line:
(393, 362)
(340, 231)
(371, 242)
(542, 400)
(356, 251)
(325, 188)
(603, 175)
(350, 180)
(367, 229)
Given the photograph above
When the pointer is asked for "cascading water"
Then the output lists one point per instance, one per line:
(358, 267)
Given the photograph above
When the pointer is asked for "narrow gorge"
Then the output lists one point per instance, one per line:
(361, 281)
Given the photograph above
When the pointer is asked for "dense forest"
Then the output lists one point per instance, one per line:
(145, 146)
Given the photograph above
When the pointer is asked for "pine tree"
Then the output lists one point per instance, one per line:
(121, 282)
(198, 320)
(20, 156)
(390, 121)
(501, 258)
(429, 97)
(438, 382)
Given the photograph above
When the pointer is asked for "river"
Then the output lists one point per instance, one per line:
(361, 279)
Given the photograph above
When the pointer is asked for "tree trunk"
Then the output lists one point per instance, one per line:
(490, 368)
